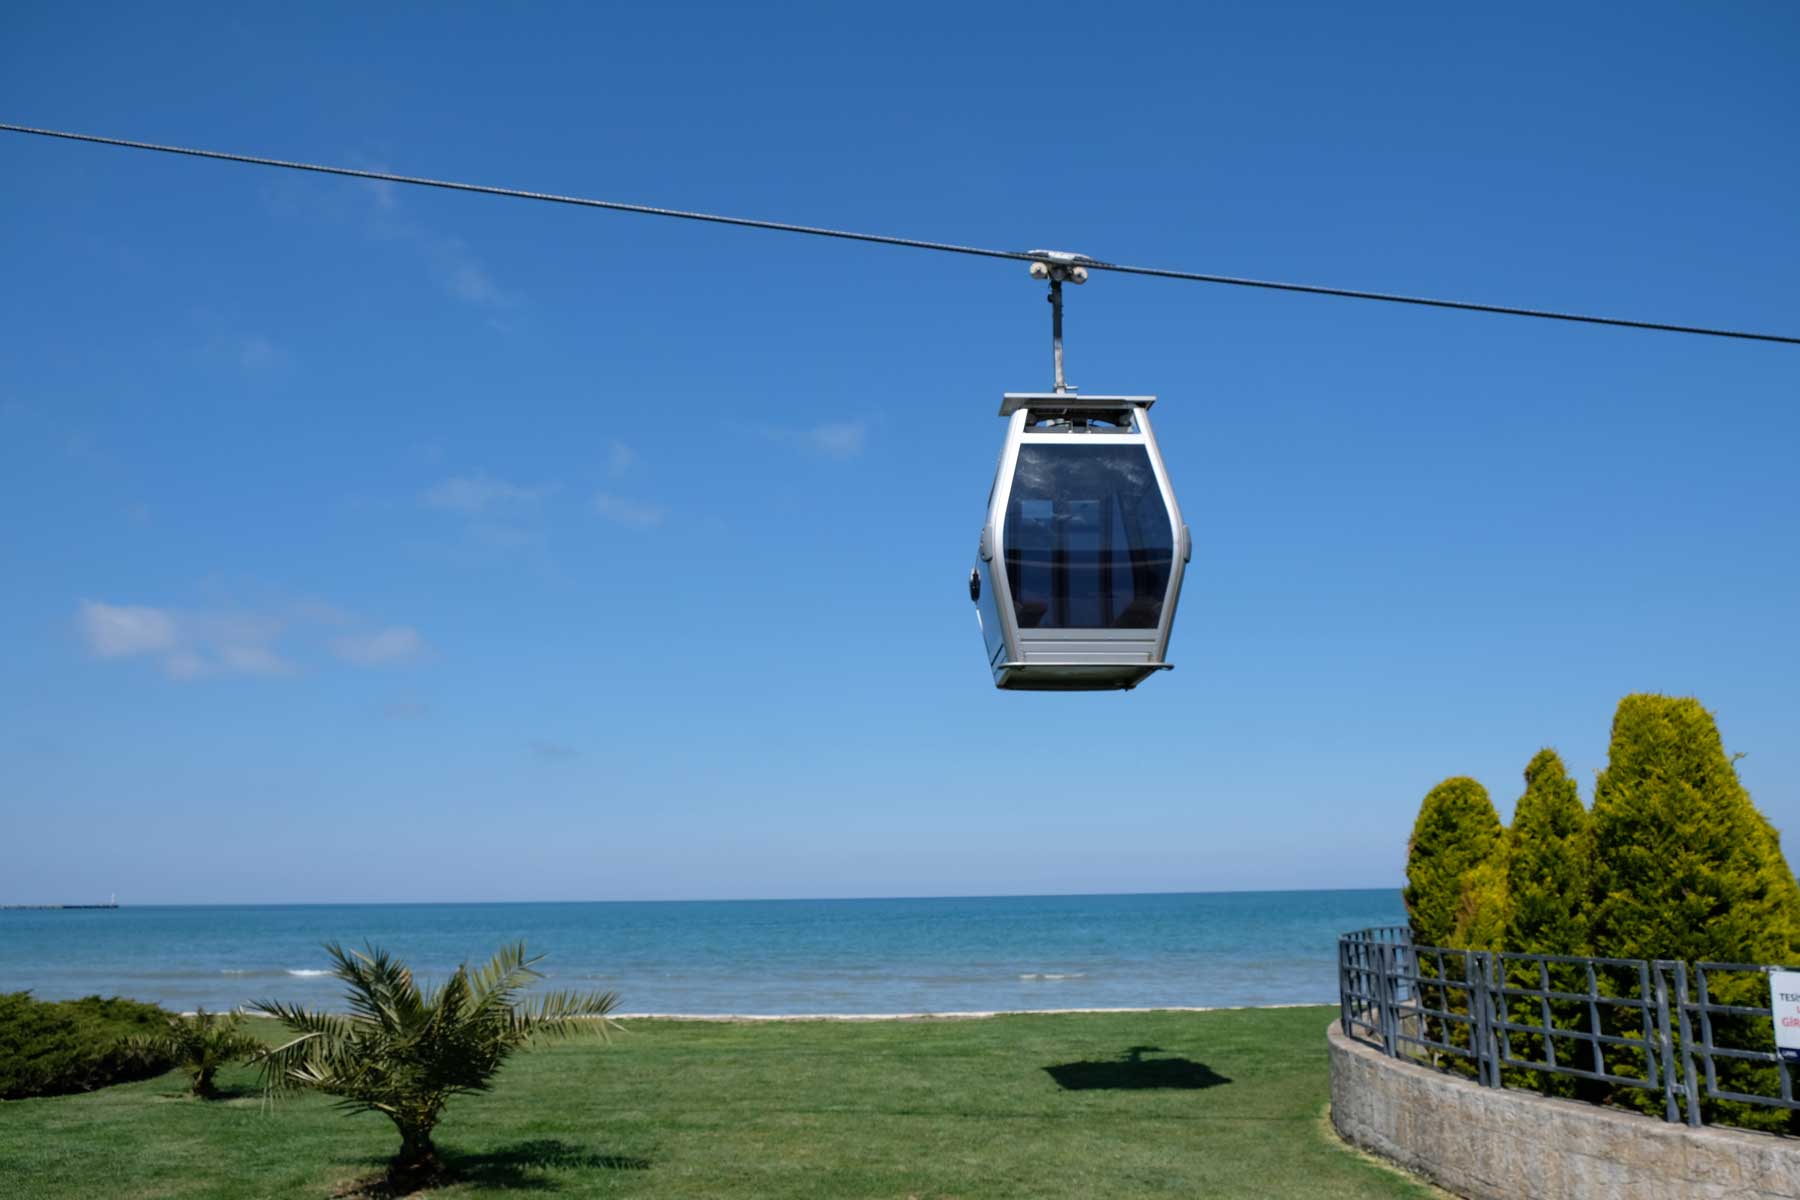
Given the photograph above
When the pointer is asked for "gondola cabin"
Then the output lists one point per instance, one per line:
(1079, 564)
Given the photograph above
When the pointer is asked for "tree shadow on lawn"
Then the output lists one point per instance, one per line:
(237, 1091)
(517, 1167)
(514, 1166)
(1133, 1071)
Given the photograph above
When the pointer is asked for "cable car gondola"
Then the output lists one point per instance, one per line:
(1079, 564)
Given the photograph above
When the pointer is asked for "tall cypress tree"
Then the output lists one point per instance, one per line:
(1685, 867)
(1549, 863)
(1549, 873)
(1457, 831)
(1485, 909)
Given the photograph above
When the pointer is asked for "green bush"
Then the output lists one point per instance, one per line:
(1686, 868)
(49, 1048)
(1673, 863)
(1549, 870)
(1456, 832)
(1485, 904)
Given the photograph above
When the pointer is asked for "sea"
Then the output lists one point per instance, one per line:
(774, 957)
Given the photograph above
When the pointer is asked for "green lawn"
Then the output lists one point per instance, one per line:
(1157, 1104)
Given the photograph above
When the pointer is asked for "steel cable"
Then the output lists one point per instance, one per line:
(911, 243)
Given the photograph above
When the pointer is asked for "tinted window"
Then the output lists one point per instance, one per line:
(1088, 539)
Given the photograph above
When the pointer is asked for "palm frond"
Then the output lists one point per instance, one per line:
(325, 1039)
(496, 986)
(567, 1014)
(305, 1021)
(380, 988)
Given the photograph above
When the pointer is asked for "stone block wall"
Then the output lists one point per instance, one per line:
(1496, 1144)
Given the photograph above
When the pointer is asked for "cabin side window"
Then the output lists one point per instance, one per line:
(1089, 543)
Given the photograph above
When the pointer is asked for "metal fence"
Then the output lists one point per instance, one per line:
(1690, 1034)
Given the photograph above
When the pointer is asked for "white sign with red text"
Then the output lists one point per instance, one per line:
(1784, 1000)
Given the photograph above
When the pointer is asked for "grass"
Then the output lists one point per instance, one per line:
(1225, 1104)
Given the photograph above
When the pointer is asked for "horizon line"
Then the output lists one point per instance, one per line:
(49, 905)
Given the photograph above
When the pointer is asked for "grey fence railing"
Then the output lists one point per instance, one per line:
(1661, 1027)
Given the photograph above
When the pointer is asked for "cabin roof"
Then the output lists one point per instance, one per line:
(1012, 402)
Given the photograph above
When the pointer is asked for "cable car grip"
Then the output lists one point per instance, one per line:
(1059, 267)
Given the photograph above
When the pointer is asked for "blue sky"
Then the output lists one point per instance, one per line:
(374, 543)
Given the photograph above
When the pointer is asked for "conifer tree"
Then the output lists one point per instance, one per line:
(1550, 852)
(1484, 911)
(1457, 830)
(1685, 867)
(1549, 863)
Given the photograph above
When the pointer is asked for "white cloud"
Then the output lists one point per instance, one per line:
(258, 353)
(504, 535)
(637, 514)
(465, 278)
(480, 492)
(122, 630)
(839, 439)
(377, 209)
(189, 645)
(833, 439)
(620, 458)
(395, 644)
(499, 519)
(226, 345)
(320, 612)
(186, 645)
(180, 664)
(452, 265)
(251, 659)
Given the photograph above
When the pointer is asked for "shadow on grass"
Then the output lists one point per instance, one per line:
(518, 1167)
(1133, 1071)
(217, 1095)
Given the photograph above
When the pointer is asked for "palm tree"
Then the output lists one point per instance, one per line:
(404, 1051)
(199, 1045)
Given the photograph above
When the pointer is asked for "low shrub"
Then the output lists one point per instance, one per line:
(49, 1048)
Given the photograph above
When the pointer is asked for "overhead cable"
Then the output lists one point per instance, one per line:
(912, 243)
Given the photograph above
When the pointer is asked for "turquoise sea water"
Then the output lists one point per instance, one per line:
(749, 956)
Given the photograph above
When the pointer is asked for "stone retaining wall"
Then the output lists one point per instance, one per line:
(1495, 1144)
